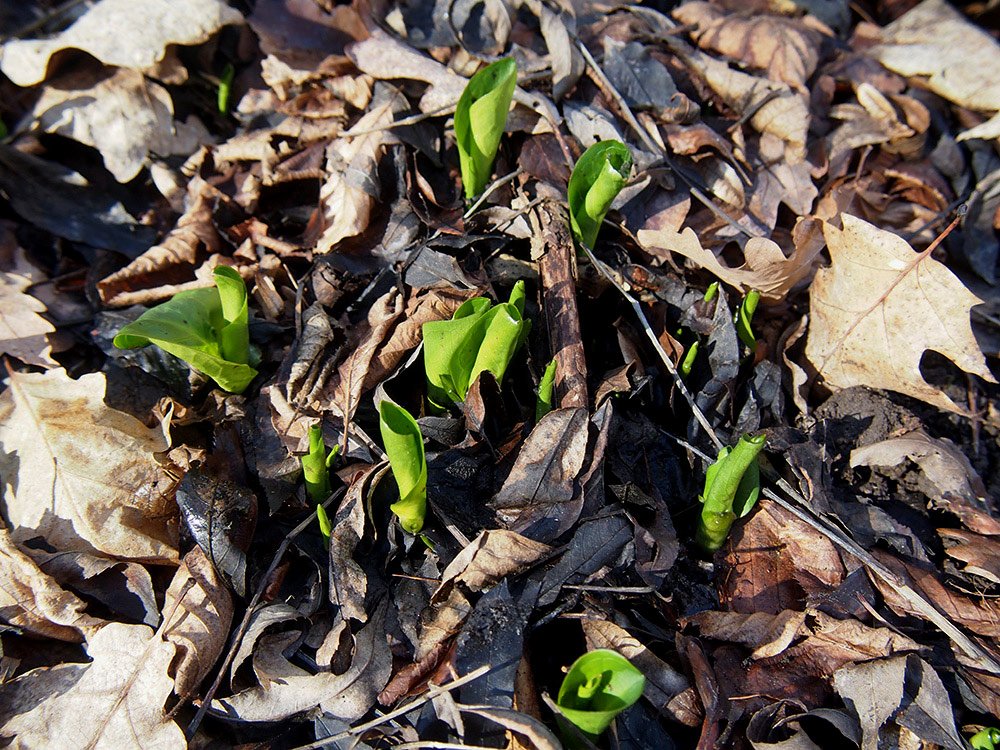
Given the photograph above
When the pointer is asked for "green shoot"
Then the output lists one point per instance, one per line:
(689, 357)
(207, 328)
(480, 119)
(599, 686)
(325, 527)
(597, 179)
(713, 289)
(987, 738)
(744, 316)
(404, 445)
(316, 465)
(3, 130)
(732, 487)
(225, 88)
(546, 386)
(480, 336)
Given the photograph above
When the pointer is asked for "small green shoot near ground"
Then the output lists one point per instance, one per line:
(316, 472)
(404, 445)
(480, 336)
(225, 88)
(987, 738)
(597, 178)
(546, 386)
(744, 317)
(713, 289)
(207, 328)
(689, 357)
(599, 686)
(732, 487)
(480, 119)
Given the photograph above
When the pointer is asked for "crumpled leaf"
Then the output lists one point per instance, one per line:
(959, 58)
(786, 49)
(766, 269)
(23, 331)
(133, 34)
(83, 475)
(351, 189)
(33, 600)
(643, 80)
(91, 108)
(115, 702)
(981, 554)
(904, 689)
(879, 307)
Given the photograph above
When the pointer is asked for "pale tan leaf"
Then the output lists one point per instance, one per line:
(766, 268)
(115, 702)
(958, 57)
(784, 48)
(981, 554)
(198, 610)
(80, 474)
(23, 331)
(35, 602)
(879, 307)
(349, 193)
(132, 34)
(488, 558)
(124, 116)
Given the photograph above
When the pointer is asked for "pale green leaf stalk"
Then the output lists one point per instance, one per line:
(732, 487)
(480, 119)
(987, 738)
(316, 465)
(599, 686)
(546, 388)
(325, 527)
(744, 317)
(479, 337)
(207, 328)
(404, 445)
(597, 178)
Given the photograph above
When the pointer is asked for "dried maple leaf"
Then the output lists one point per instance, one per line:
(879, 307)
(80, 474)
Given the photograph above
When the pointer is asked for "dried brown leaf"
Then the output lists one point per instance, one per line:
(981, 554)
(82, 475)
(879, 306)
(24, 333)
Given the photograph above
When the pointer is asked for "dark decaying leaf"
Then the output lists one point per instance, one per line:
(221, 517)
(642, 80)
(786, 725)
(596, 543)
(348, 581)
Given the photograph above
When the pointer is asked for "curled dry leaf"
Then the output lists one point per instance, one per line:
(133, 34)
(980, 554)
(784, 48)
(199, 611)
(24, 333)
(879, 306)
(766, 268)
(115, 702)
(82, 475)
(91, 108)
(35, 602)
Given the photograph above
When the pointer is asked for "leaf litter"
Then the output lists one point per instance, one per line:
(165, 581)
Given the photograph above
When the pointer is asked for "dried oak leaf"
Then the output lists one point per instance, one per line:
(82, 475)
(125, 117)
(133, 34)
(35, 602)
(114, 702)
(879, 307)
(23, 331)
(766, 268)
(352, 187)
(786, 49)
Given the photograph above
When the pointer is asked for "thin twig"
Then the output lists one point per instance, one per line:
(241, 631)
(499, 182)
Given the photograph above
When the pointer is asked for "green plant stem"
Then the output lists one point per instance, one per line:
(732, 485)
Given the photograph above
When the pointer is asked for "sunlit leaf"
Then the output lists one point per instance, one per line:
(732, 487)
(480, 118)
(600, 685)
(597, 179)
(404, 445)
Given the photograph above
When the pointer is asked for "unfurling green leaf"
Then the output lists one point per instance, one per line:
(404, 445)
(987, 738)
(600, 685)
(479, 337)
(316, 465)
(744, 317)
(480, 119)
(207, 328)
(546, 386)
(732, 487)
(597, 178)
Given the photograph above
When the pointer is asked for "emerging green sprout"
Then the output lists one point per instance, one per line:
(225, 88)
(599, 686)
(480, 336)
(480, 119)
(316, 472)
(744, 316)
(987, 738)
(543, 404)
(713, 289)
(207, 328)
(596, 181)
(689, 357)
(404, 445)
(732, 487)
